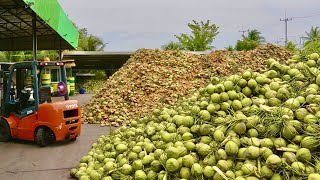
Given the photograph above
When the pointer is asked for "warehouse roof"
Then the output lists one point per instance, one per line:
(51, 21)
(97, 59)
(102, 59)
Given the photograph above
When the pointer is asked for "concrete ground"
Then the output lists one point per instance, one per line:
(82, 98)
(23, 160)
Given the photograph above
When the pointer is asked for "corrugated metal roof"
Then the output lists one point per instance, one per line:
(52, 24)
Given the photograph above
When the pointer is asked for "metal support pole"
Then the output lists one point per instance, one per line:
(60, 52)
(286, 27)
(34, 36)
(63, 71)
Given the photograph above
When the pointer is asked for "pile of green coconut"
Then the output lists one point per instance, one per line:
(248, 126)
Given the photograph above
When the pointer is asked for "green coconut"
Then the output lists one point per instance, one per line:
(188, 161)
(253, 152)
(314, 56)
(172, 165)
(205, 115)
(236, 105)
(298, 167)
(208, 172)
(266, 142)
(126, 169)
(140, 175)
(218, 135)
(314, 176)
(156, 166)
(121, 148)
(196, 170)
(231, 148)
(185, 173)
(246, 102)
(240, 128)
(273, 161)
(190, 146)
(309, 142)
(228, 85)
(290, 157)
(223, 165)
(210, 88)
(289, 132)
(203, 149)
(172, 152)
(248, 169)
(266, 172)
(303, 155)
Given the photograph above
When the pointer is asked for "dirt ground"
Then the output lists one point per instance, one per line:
(23, 160)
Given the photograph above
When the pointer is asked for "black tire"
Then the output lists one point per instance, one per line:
(44, 136)
(74, 139)
(5, 132)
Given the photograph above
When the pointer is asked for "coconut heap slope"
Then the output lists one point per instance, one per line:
(249, 126)
(154, 78)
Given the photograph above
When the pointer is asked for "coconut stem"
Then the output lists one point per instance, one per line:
(225, 140)
(259, 169)
(286, 149)
(220, 172)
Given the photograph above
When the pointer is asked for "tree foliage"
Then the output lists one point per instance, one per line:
(229, 48)
(201, 38)
(255, 35)
(246, 45)
(15, 56)
(89, 42)
(172, 46)
(311, 47)
(251, 41)
(292, 47)
(313, 35)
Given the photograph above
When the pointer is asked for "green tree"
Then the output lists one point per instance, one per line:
(14, 56)
(246, 45)
(312, 35)
(89, 42)
(229, 48)
(202, 37)
(249, 42)
(311, 47)
(255, 35)
(3, 57)
(172, 46)
(292, 47)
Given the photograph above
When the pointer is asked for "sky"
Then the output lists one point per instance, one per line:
(127, 25)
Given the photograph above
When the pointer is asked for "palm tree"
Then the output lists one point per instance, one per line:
(313, 35)
(89, 42)
(95, 44)
(255, 35)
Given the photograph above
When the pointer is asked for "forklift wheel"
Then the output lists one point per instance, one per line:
(5, 132)
(44, 136)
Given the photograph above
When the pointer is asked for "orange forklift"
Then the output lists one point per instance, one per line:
(28, 109)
